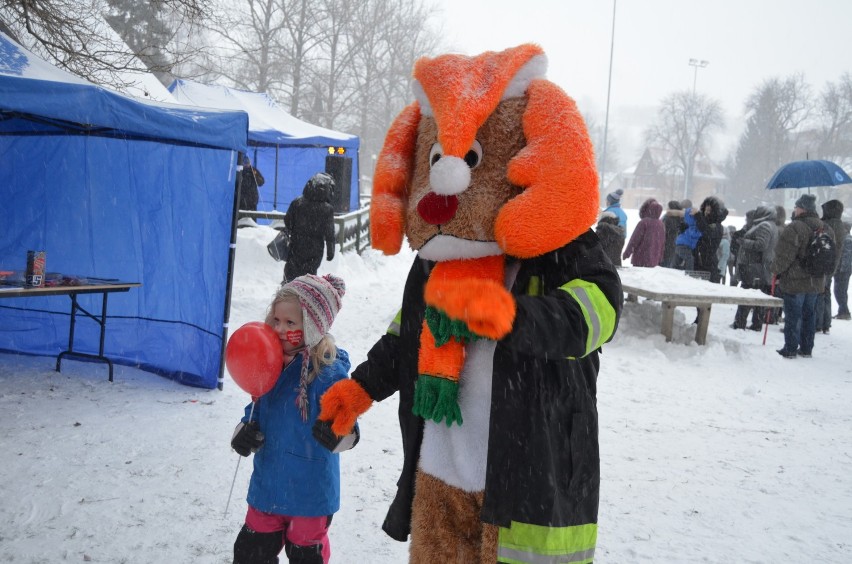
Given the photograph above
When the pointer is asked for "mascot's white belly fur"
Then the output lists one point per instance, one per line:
(458, 454)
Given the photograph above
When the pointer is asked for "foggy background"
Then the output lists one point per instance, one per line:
(704, 98)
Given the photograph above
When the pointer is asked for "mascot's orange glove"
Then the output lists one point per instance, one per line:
(342, 404)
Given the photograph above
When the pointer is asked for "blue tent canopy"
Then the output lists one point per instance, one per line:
(116, 187)
(286, 150)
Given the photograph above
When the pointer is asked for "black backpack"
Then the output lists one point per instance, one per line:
(820, 254)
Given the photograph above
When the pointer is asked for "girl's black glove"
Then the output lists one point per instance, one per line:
(247, 438)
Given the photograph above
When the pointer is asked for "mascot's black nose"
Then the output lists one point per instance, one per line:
(437, 209)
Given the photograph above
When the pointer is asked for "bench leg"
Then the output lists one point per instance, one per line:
(703, 323)
(668, 320)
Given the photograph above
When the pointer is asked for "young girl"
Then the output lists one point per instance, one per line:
(295, 485)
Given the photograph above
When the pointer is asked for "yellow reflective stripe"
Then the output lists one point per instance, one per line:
(597, 311)
(523, 543)
(534, 286)
(393, 328)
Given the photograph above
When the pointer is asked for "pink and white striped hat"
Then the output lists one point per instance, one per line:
(320, 297)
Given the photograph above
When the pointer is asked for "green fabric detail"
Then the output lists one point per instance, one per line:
(598, 313)
(393, 328)
(534, 286)
(437, 398)
(523, 543)
(443, 328)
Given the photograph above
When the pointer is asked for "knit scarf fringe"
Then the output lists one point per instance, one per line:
(443, 338)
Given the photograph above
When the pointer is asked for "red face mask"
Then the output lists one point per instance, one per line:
(294, 337)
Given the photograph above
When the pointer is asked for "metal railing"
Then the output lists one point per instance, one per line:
(351, 230)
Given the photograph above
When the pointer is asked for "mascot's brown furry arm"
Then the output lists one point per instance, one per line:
(490, 175)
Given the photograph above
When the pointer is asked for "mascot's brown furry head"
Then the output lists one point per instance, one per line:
(491, 159)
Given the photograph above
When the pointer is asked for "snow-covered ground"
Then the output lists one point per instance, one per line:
(720, 453)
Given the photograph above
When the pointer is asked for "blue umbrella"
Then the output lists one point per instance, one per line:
(808, 174)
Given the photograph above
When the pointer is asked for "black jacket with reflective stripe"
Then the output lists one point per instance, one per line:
(543, 465)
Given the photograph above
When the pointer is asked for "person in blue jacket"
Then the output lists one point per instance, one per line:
(687, 240)
(295, 485)
(613, 205)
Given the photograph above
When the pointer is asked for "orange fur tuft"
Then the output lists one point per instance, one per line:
(342, 404)
(390, 181)
(463, 91)
(557, 167)
(445, 361)
(472, 290)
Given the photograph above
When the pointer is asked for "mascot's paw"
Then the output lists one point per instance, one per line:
(485, 306)
(437, 398)
(342, 404)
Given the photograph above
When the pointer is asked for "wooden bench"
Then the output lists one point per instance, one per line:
(673, 288)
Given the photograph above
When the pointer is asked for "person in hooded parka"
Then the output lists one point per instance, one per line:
(832, 211)
(754, 258)
(713, 213)
(310, 221)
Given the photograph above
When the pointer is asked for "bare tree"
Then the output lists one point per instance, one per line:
(73, 35)
(834, 111)
(775, 111)
(684, 124)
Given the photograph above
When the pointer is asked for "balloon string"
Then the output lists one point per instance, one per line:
(239, 459)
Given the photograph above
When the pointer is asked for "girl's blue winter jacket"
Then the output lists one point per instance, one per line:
(293, 474)
(692, 233)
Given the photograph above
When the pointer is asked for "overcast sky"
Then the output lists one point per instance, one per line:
(744, 42)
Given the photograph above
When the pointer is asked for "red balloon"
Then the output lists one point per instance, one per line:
(254, 357)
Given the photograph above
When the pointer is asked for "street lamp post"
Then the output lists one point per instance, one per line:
(608, 86)
(696, 64)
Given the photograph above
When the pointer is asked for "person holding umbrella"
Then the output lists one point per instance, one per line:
(799, 288)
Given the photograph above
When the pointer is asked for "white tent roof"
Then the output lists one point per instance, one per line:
(268, 123)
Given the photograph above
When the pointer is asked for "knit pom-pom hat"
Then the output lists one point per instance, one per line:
(321, 298)
(614, 197)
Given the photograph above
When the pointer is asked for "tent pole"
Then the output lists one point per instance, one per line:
(232, 255)
(275, 196)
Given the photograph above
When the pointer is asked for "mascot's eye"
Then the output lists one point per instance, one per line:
(474, 156)
(435, 154)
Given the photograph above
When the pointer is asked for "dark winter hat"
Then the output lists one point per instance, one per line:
(674, 205)
(807, 202)
(614, 197)
(246, 160)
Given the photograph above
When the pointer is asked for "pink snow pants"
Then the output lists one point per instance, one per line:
(302, 531)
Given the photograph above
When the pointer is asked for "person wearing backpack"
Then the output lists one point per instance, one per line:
(832, 211)
(799, 286)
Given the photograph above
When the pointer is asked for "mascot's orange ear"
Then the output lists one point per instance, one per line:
(390, 182)
(557, 170)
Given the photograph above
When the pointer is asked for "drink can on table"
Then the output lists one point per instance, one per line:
(35, 268)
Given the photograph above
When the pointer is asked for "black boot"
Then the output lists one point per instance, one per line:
(252, 547)
(303, 554)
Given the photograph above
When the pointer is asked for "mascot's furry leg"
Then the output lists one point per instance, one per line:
(445, 525)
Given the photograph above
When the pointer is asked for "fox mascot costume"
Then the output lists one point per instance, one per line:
(490, 175)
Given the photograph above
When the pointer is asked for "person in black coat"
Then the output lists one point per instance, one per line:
(709, 221)
(250, 179)
(611, 236)
(310, 222)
